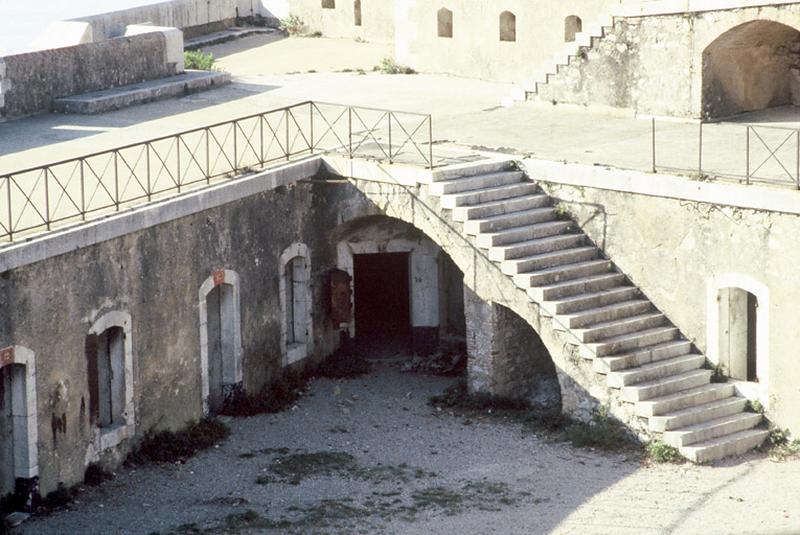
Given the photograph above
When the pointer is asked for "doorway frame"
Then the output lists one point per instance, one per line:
(28, 467)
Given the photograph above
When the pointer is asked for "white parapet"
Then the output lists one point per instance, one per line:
(174, 39)
(63, 33)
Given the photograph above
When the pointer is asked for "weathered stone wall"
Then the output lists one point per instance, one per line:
(377, 17)
(681, 253)
(32, 80)
(654, 65)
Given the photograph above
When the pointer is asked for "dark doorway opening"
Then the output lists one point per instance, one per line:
(382, 302)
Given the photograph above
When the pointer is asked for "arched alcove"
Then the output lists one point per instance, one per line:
(297, 329)
(444, 21)
(357, 12)
(508, 26)
(753, 66)
(572, 26)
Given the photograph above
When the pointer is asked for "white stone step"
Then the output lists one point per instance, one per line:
(547, 260)
(505, 206)
(665, 385)
(717, 448)
(534, 247)
(655, 370)
(620, 326)
(507, 191)
(727, 425)
(591, 284)
(469, 183)
(494, 223)
(692, 397)
(629, 342)
(522, 233)
(606, 313)
(562, 273)
(697, 414)
(479, 167)
(609, 296)
(655, 353)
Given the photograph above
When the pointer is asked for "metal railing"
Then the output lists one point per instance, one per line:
(749, 153)
(75, 190)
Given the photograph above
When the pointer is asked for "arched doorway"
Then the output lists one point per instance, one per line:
(220, 339)
(738, 333)
(573, 25)
(751, 67)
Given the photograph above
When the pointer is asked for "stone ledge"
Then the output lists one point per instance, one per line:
(150, 91)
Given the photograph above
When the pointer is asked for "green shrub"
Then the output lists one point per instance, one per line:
(170, 447)
(660, 452)
(390, 66)
(195, 59)
(293, 25)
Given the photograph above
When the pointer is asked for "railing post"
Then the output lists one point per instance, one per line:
(208, 156)
(235, 149)
(390, 138)
(350, 131)
(747, 151)
(83, 193)
(47, 197)
(116, 179)
(797, 165)
(430, 140)
(288, 151)
(178, 158)
(261, 137)
(311, 124)
(700, 152)
(653, 143)
(149, 185)
(10, 213)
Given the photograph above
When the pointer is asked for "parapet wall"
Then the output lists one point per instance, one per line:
(29, 82)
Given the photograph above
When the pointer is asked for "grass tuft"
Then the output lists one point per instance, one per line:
(660, 452)
(195, 59)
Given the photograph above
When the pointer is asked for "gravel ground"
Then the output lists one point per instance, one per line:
(369, 455)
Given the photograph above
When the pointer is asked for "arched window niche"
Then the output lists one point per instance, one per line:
(444, 23)
(297, 334)
(508, 27)
(573, 25)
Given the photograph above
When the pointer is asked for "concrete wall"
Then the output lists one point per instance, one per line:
(29, 82)
(683, 253)
(475, 50)
(194, 17)
(654, 65)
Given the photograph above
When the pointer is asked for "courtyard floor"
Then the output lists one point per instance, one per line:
(369, 455)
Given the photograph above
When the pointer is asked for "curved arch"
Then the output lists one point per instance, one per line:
(573, 25)
(444, 23)
(508, 27)
(749, 67)
(232, 366)
(297, 327)
(761, 292)
(23, 410)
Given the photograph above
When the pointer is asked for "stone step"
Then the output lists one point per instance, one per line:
(590, 284)
(525, 232)
(665, 385)
(497, 193)
(546, 260)
(697, 414)
(620, 326)
(475, 182)
(534, 247)
(727, 425)
(629, 342)
(692, 397)
(609, 296)
(475, 227)
(717, 448)
(462, 170)
(562, 273)
(606, 313)
(673, 348)
(655, 370)
(506, 206)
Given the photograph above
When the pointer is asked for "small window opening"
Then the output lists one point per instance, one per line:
(357, 12)
(445, 23)
(508, 26)
(572, 26)
(106, 363)
(328, 4)
(296, 301)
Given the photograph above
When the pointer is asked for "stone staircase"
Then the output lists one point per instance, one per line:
(572, 49)
(641, 354)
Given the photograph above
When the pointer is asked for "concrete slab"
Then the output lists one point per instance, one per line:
(230, 34)
(150, 91)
